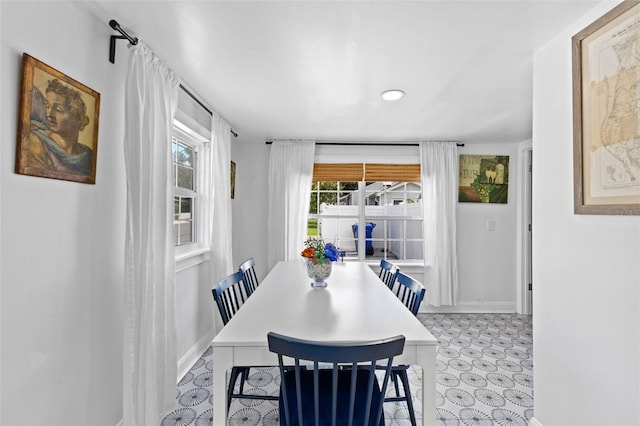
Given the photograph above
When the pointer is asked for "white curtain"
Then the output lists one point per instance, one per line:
(220, 194)
(290, 173)
(439, 169)
(149, 382)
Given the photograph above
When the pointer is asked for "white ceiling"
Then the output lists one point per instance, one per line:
(315, 69)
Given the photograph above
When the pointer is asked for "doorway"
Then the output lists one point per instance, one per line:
(525, 232)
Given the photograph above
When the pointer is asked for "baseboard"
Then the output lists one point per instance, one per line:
(186, 362)
(534, 422)
(471, 308)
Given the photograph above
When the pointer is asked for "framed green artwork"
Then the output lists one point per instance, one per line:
(483, 179)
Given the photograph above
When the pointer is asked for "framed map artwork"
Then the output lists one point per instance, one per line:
(483, 179)
(606, 113)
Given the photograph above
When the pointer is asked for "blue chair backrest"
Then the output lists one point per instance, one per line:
(348, 393)
(410, 292)
(249, 275)
(388, 273)
(229, 295)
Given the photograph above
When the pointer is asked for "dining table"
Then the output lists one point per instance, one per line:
(354, 306)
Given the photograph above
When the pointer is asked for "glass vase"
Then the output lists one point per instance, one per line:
(318, 272)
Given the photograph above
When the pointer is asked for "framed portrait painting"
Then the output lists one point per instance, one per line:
(606, 113)
(57, 125)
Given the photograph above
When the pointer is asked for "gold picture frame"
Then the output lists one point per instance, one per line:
(606, 117)
(233, 180)
(57, 125)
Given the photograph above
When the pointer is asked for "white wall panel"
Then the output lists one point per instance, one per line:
(62, 242)
(586, 274)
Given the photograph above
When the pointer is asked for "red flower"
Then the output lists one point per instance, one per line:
(309, 252)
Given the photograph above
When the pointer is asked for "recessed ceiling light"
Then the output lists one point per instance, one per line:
(392, 95)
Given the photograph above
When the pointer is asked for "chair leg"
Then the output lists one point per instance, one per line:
(233, 377)
(394, 376)
(243, 374)
(404, 378)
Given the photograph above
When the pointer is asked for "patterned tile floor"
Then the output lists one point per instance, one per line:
(484, 374)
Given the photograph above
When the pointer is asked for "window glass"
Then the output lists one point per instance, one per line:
(185, 194)
(388, 212)
(183, 164)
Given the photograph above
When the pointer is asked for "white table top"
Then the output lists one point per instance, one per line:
(356, 306)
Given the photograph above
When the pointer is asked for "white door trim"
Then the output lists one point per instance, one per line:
(523, 266)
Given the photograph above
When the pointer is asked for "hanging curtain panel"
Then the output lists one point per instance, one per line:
(439, 162)
(221, 225)
(290, 174)
(149, 370)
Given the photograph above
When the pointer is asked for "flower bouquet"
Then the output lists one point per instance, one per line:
(319, 257)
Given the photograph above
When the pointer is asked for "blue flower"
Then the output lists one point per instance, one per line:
(331, 252)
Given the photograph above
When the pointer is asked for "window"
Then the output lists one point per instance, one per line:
(191, 179)
(185, 193)
(381, 203)
(332, 212)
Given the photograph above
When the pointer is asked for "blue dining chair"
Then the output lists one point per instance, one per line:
(388, 273)
(346, 393)
(249, 275)
(411, 293)
(230, 293)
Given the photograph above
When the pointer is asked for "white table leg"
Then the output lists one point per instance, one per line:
(427, 361)
(222, 362)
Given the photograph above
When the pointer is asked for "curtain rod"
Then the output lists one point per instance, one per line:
(134, 40)
(185, 90)
(366, 143)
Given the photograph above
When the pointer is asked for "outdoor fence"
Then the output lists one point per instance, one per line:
(389, 226)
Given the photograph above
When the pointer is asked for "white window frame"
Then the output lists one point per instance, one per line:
(193, 253)
(362, 218)
(339, 217)
(354, 153)
(404, 218)
(186, 193)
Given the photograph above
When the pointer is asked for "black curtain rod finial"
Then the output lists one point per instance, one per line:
(112, 43)
(114, 24)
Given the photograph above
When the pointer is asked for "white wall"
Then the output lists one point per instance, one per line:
(249, 207)
(488, 275)
(196, 313)
(62, 245)
(62, 242)
(487, 259)
(586, 310)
